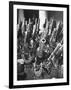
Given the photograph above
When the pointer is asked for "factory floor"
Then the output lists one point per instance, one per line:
(28, 74)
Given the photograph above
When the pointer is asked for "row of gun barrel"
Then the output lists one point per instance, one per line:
(40, 46)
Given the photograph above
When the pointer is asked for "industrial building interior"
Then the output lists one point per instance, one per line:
(39, 44)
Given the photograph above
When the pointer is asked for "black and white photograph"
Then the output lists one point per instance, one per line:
(39, 44)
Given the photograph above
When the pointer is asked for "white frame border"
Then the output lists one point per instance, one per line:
(28, 82)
